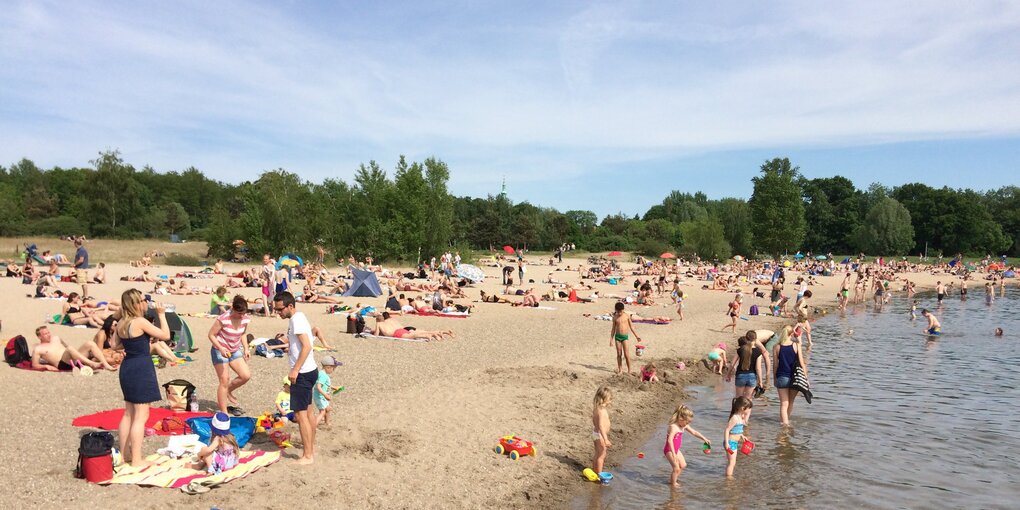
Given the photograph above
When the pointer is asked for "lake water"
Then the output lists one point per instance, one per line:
(897, 421)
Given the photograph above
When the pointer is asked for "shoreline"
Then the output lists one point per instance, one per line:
(653, 415)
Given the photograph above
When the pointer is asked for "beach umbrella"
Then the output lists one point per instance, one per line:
(738, 258)
(615, 254)
(786, 263)
(798, 256)
(667, 255)
(289, 260)
(821, 257)
(470, 272)
(508, 249)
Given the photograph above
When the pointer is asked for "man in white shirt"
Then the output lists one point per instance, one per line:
(303, 371)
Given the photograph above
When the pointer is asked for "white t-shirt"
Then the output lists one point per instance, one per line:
(298, 325)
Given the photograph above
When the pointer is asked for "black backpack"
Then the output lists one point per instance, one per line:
(17, 351)
(93, 444)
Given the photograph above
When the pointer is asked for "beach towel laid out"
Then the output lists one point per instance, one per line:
(651, 321)
(377, 337)
(200, 315)
(540, 307)
(175, 473)
(110, 420)
(452, 315)
(27, 365)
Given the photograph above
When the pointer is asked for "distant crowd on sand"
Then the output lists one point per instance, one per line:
(764, 358)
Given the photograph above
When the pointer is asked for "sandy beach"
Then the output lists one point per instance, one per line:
(416, 425)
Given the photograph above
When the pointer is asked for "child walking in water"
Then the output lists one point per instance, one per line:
(735, 431)
(600, 427)
(934, 328)
(913, 310)
(678, 424)
(622, 328)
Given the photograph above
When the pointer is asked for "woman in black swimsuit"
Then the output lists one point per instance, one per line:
(75, 314)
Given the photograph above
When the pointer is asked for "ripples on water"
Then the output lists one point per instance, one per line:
(897, 421)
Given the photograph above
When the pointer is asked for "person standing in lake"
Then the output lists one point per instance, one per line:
(788, 356)
(934, 326)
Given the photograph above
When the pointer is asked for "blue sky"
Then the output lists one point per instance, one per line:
(580, 105)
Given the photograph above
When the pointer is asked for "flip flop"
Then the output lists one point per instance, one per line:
(195, 487)
(235, 411)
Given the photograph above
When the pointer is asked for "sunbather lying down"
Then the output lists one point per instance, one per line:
(608, 316)
(387, 326)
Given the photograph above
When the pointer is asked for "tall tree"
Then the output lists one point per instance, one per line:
(886, 229)
(777, 209)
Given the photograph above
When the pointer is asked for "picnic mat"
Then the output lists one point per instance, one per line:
(175, 473)
(110, 420)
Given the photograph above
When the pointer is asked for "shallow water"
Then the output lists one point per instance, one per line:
(897, 421)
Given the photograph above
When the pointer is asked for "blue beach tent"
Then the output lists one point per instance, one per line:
(365, 284)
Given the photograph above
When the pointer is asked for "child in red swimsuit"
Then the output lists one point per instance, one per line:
(678, 423)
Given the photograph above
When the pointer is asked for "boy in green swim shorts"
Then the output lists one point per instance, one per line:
(622, 329)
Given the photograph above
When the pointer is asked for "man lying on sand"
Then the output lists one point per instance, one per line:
(390, 327)
(53, 354)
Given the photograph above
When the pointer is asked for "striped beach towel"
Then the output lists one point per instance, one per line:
(175, 473)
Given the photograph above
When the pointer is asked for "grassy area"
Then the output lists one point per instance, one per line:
(102, 250)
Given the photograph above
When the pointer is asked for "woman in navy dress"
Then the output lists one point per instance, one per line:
(137, 373)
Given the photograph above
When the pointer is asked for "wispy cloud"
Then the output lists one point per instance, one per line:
(531, 91)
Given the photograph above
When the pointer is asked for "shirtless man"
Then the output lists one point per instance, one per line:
(390, 327)
(620, 335)
(934, 327)
(53, 354)
(100, 276)
(940, 291)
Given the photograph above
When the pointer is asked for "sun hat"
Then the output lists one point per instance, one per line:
(331, 361)
(286, 381)
(220, 424)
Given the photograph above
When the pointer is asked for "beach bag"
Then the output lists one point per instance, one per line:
(754, 310)
(17, 351)
(355, 324)
(800, 383)
(173, 426)
(95, 457)
(179, 394)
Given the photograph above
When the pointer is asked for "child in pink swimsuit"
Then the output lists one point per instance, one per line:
(678, 423)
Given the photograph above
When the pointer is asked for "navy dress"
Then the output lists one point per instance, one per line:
(137, 373)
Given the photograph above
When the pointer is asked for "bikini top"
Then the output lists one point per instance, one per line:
(737, 429)
(72, 309)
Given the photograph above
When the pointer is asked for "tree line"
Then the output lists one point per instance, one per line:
(397, 216)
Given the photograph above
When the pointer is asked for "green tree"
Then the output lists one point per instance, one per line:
(114, 196)
(735, 216)
(886, 229)
(777, 209)
(705, 238)
(177, 220)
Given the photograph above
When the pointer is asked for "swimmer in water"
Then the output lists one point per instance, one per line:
(934, 327)
(913, 310)
(998, 331)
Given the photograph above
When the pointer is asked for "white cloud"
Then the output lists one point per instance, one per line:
(235, 89)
